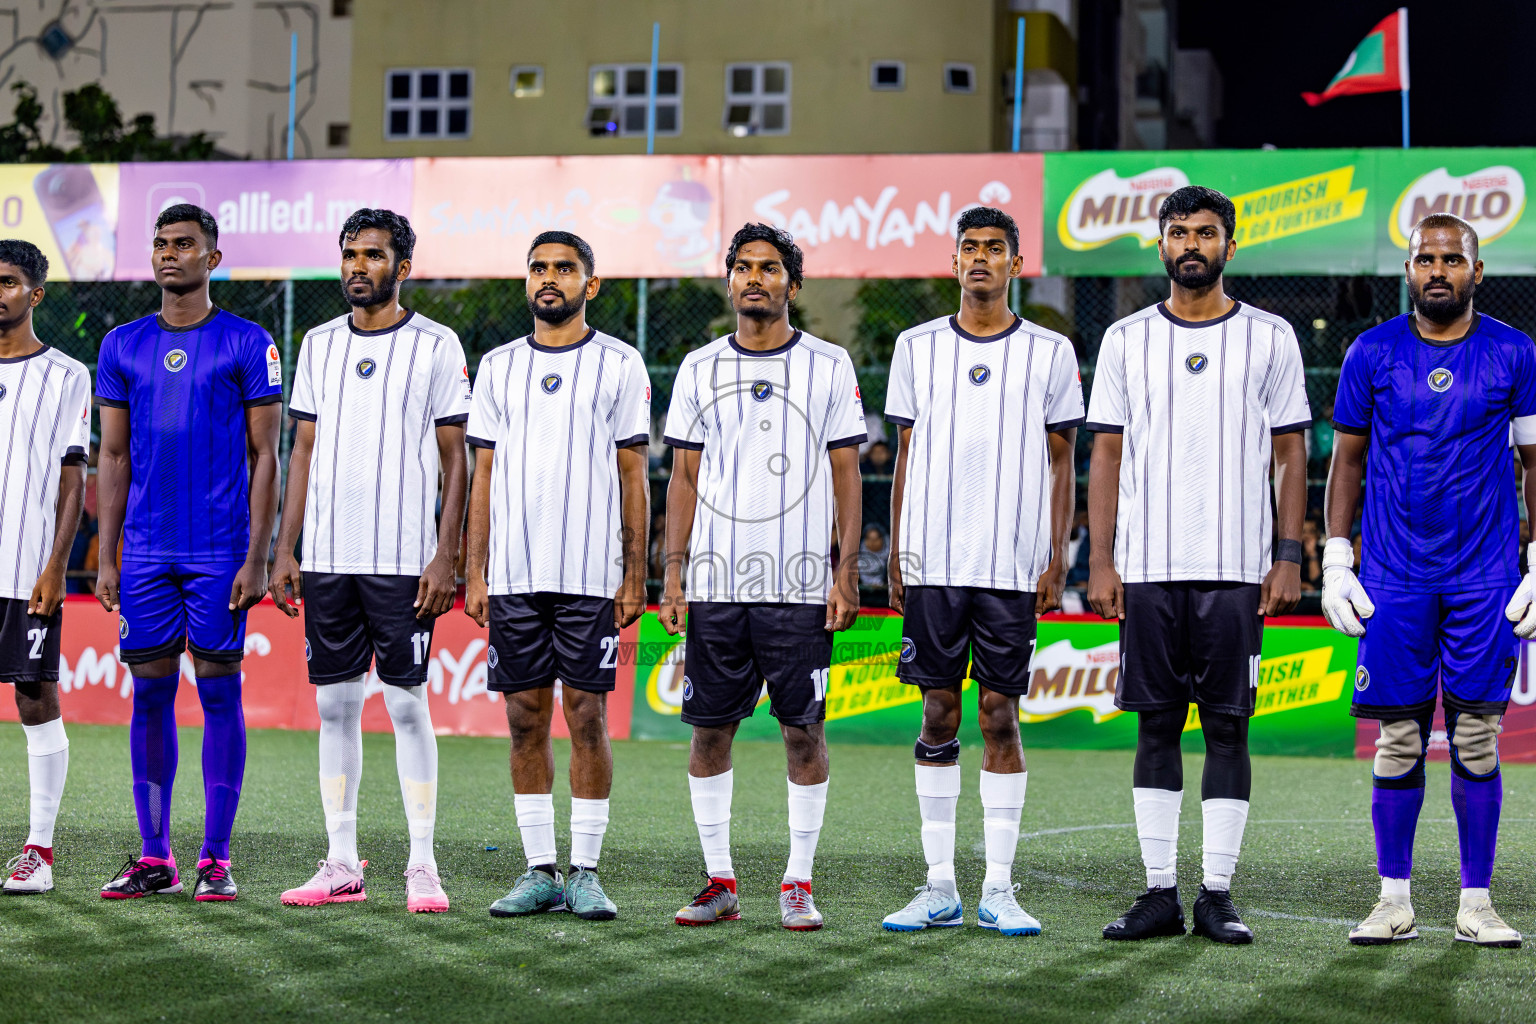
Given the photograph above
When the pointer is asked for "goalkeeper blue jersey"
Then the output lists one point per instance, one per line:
(1440, 514)
(186, 390)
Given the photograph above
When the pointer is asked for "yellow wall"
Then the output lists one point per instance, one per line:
(830, 44)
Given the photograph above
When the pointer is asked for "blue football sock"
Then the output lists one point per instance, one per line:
(1395, 813)
(152, 752)
(1477, 801)
(223, 760)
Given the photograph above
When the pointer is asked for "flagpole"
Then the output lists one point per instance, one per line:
(1402, 72)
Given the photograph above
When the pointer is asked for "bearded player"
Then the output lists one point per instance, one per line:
(381, 395)
(1201, 390)
(987, 406)
(187, 480)
(1425, 403)
(45, 401)
(556, 556)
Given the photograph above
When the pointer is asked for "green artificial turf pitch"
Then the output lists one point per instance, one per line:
(1307, 873)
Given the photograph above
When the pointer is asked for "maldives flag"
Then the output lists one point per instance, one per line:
(1378, 64)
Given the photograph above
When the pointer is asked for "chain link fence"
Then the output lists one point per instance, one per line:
(864, 316)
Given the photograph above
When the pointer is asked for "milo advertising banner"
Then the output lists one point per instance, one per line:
(1298, 211)
(1319, 211)
(1303, 691)
(1485, 187)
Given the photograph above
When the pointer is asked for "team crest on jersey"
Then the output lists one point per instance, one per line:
(1196, 363)
(980, 374)
(491, 657)
(2, 392)
(366, 367)
(1362, 679)
(908, 649)
(175, 359)
(307, 652)
(122, 628)
(550, 383)
(1440, 379)
(687, 688)
(762, 390)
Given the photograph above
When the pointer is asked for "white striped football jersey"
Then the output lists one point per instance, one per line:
(45, 422)
(555, 418)
(376, 399)
(764, 423)
(1198, 404)
(976, 510)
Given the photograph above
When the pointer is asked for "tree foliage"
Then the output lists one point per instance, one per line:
(93, 116)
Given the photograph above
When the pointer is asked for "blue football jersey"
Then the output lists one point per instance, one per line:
(1440, 513)
(186, 390)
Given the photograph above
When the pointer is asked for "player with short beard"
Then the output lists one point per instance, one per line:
(556, 557)
(987, 406)
(1430, 397)
(45, 399)
(1201, 390)
(190, 400)
(381, 396)
(765, 425)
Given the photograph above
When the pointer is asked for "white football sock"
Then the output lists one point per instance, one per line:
(1224, 820)
(807, 807)
(416, 761)
(536, 821)
(1157, 826)
(1471, 896)
(47, 765)
(1395, 889)
(589, 820)
(712, 814)
(341, 763)
(938, 794)
(1002, 804)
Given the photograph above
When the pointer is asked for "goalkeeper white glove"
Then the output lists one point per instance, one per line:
(1343, 597)
(1522, 607)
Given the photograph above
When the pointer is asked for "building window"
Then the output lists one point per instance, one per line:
(959, 78)
(527, 81)
(757, 99)
(337, 135)
(887, 75)
(341, 8)
(616, 99)
(428, 103)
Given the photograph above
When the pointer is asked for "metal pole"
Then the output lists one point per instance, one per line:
(1018, 87)
(643, 285)
(293, 90)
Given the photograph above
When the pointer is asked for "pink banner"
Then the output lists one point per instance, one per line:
(644, 216)
(276, 219)
(882, 216)
(95, 688)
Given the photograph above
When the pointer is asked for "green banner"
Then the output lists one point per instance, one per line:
(1298, 211)
(1485, 187)
(1317, 211)
(1303, 693)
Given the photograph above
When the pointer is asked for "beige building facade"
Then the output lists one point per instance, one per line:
(516, 77)
(215, 67)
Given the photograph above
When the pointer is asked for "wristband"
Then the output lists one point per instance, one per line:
(1530, 557)
(1288, 551)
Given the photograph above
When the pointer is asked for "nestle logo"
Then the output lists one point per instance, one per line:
(1148, 184)
(1489, 181)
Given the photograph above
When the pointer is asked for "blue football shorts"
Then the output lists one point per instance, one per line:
(1460, 645)
(169, 607)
